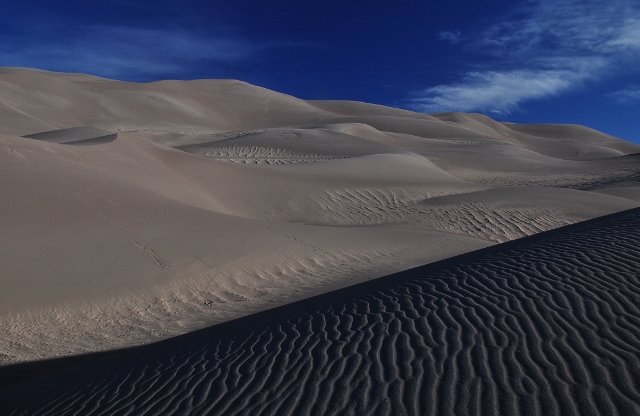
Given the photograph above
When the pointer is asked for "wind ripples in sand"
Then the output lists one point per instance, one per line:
(477, 219)
(582, 180)
(260, 155)
(545, 325)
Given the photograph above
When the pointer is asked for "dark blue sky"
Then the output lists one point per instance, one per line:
(558, 61)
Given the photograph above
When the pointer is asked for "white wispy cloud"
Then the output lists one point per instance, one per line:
(628, 37)
(125, 52)
(542, 49)
(451, 36)
(627, 95)
(496, 92)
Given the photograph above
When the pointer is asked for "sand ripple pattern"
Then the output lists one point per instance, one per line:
(260, 155)
(545, 325)
(365, 206)
(584, 180)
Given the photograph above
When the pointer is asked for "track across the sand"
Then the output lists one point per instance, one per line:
(548, 324)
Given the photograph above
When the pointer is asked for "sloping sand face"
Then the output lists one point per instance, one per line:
(195, 202)
(542, 325)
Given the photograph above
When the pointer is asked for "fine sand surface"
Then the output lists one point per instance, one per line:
(547, 324)
(135, 212)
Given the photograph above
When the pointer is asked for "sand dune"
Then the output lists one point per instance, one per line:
(135, 212)
(543, 325)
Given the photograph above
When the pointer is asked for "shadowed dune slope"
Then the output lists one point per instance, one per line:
(545, 325)
(75, 135)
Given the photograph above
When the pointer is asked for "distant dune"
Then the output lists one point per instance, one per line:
(137, 212)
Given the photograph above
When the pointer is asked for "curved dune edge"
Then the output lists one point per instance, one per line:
(547, 324)
(299, 265)
(77, 136)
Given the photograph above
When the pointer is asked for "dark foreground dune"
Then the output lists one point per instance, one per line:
(547, 324)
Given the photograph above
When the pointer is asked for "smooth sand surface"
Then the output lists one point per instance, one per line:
(546, 324)
(132, 213)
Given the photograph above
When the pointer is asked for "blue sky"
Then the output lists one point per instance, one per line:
(557, 61)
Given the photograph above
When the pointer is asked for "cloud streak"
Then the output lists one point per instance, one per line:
(627, 95)
(545, 48)
(496, 92)
(124, 52)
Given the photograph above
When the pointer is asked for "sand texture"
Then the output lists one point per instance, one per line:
(135, 212)
(547, 324)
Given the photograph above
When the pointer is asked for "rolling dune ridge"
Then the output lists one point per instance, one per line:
(543, 325)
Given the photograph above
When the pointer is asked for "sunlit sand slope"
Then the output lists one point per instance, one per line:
(544, 325)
